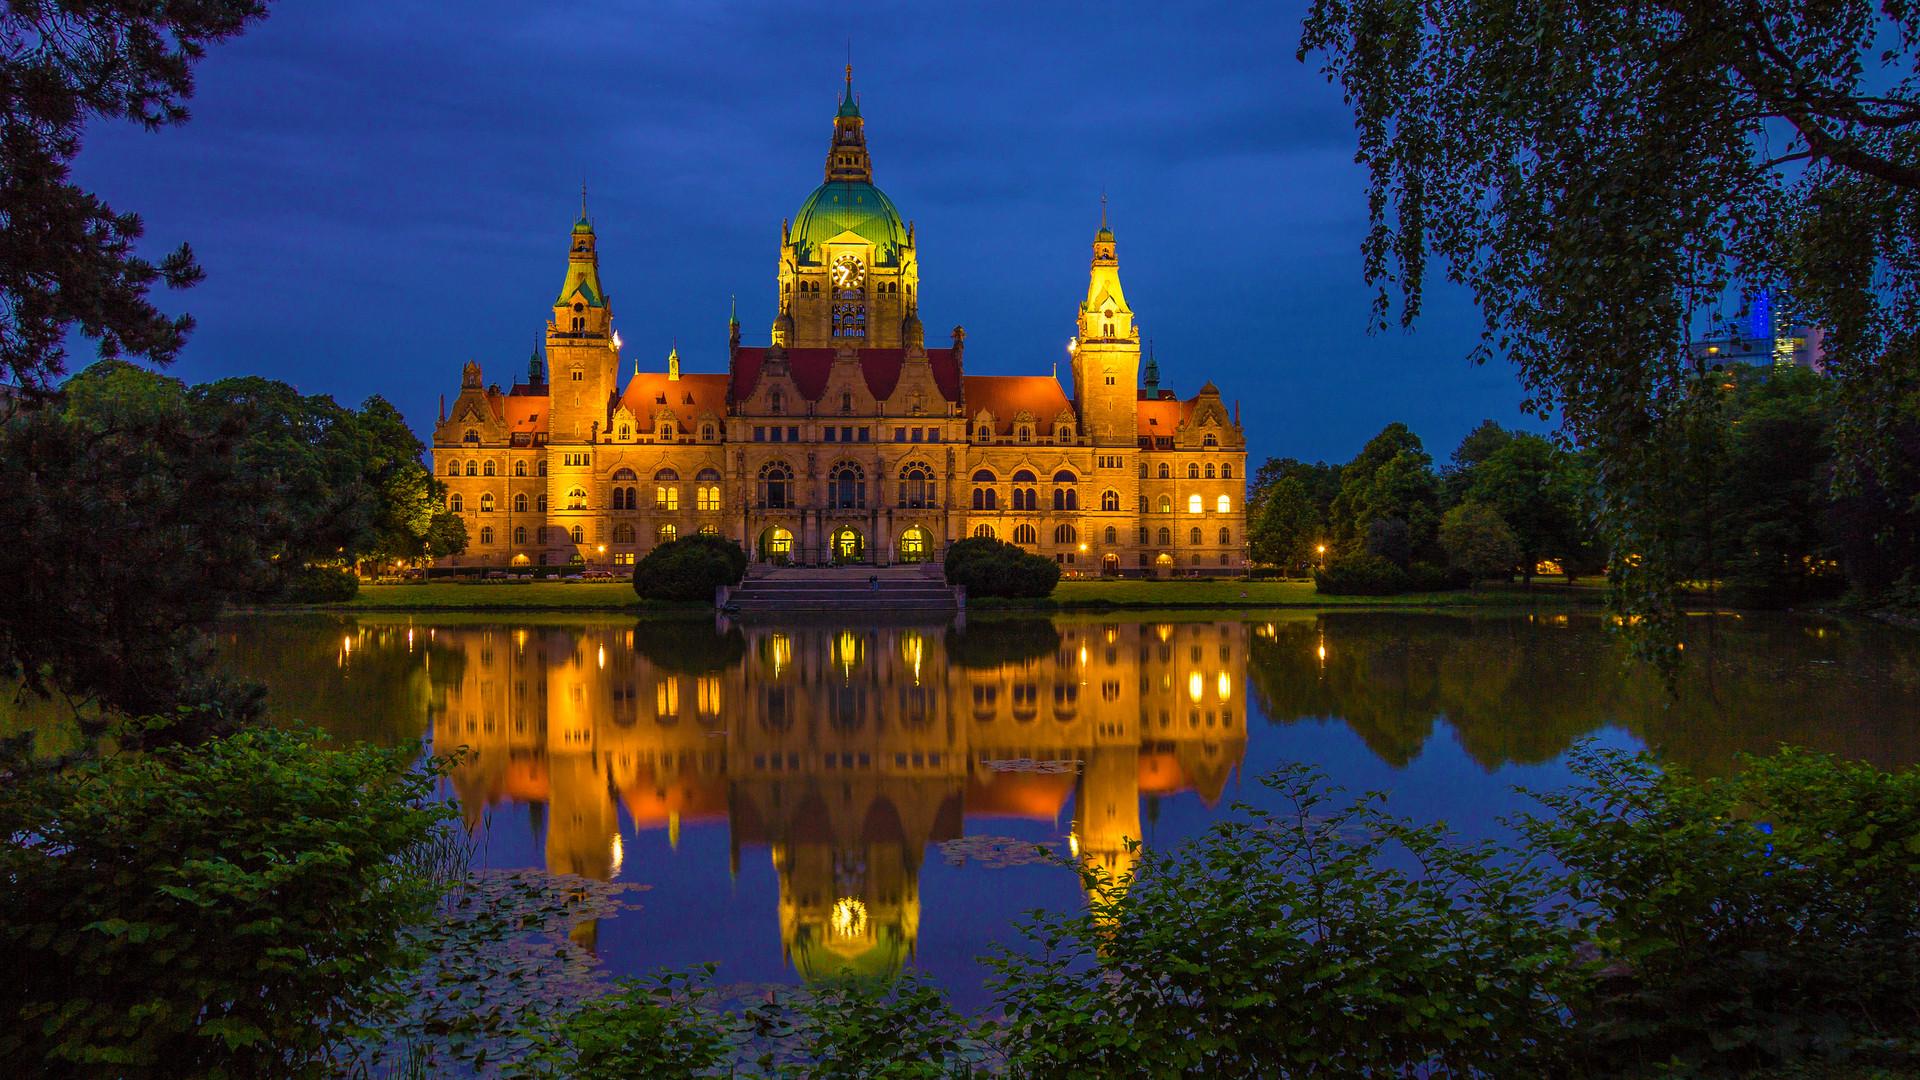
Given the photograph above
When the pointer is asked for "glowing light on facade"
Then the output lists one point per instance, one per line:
(1225, 686)
(619, 852)
(666, 697)
(1196, 686)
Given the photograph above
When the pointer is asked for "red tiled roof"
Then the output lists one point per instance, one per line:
(812, 366)
(1006, 395)
(645, 390)
(1161, 415)
(525, 412)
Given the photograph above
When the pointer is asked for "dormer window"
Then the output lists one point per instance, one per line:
(471, 436)
(1210, 440)
(626, 432)
(578, 375)
(1026, 433)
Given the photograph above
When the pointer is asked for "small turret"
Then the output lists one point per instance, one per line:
(470, 376)
(536, 373)
(673, 364)
(959, 343)
(782, 334)
(847, 159)
(1150, 375)
(733, 329)
(913, 335)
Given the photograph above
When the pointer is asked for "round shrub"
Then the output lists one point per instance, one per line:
(1360, 574)
(689, 569)
(322, 585)
(996, 568)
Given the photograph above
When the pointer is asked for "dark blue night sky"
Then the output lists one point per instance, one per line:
(380, 191)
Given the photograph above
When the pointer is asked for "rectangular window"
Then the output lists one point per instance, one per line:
(777, 433)
(846, 434)
(899, 434)
(863, 434)
(933, 434)
(793, 434)
(831, 432)
(917, 432)
(759, 434)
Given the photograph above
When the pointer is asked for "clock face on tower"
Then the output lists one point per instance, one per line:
(848, 272)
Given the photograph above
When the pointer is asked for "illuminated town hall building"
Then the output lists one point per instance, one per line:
(845, 439)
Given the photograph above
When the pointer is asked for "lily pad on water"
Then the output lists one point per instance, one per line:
(997, 852)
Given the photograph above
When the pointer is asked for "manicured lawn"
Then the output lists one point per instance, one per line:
(532, 594)
(1074, 593)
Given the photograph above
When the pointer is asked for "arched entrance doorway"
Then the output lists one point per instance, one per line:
(915, 545)
(848, 547)
(1163, 566)
(1110, 566)
(776, 546)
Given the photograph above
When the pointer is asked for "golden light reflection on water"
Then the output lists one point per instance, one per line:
(845, 753)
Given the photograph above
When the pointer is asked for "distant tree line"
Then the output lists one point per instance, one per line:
(1754, 508)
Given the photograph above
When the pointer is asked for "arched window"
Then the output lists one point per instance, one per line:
(454, 504)
(1210, 440)
(519, 468)
(540, 534)
(1209, 470)
(775, 489)
(663, 474)
(520, 534)
(1113, 535)
(668, 534)
(625, 476)
(577, 499)
(473, 468)
(520, 503)
(472, 437)
(983, 531)
(847, 486)
(1065, 477)
(1143, 470)
(486, 534)
(1193, 504)
(453, 468)
(707, 498)
(1023, 477)
(1166, 473)
(984, 499)
(846, 403)
(1193, 470)
(708, 474)
(1225, 537)
(1109, 500)
(1064, 534)
(540, 504)
(983, 476)
(916, 487)
(776, 403)
(1193, 536)
(666, 498)
(1026, 534)
(542, 470)
(1225, 504)
(488, 469)
(623, 533)
(1166, 536)
(1165, 505)
(709, 530)
(578, 535)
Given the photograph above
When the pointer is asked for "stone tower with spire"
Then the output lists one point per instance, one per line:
(1106, 355)
(848, 273)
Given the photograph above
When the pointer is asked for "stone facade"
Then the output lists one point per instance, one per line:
(845, 439)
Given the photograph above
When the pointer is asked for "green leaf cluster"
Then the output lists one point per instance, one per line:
(227, 910)
(689, 568)
(990, 567)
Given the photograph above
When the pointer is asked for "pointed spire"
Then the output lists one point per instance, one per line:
(585, 224)
(1150, 375)
(849, 105)
(847, 160)
(733, 317)
(535, 372)
(673, 362)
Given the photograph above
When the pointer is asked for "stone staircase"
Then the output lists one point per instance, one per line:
(920, 588)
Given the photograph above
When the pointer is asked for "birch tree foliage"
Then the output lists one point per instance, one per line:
(1604, 176)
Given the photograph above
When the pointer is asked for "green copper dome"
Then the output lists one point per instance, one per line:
(582, 226)
(848, 206)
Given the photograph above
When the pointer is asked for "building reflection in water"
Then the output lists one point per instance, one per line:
(843, 752)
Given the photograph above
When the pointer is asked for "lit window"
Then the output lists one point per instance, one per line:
(668, 534)
(1166, 504)
(1193, 504)
(666, 498)
(1225, 504)
(486, 503)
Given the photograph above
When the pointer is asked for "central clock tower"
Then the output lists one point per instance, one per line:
(848, 272)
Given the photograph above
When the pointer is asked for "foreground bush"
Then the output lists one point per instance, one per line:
(989, 567)
(222, 911)
(690, 568)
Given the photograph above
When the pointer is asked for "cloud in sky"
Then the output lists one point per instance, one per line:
(382, 191)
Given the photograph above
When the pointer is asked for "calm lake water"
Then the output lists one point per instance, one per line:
(803, 799)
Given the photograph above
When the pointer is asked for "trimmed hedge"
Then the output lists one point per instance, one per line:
(322, 585)
(690, 568)
(1362, 574)
(989, 567)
